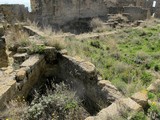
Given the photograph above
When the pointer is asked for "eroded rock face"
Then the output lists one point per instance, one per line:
(3, 55)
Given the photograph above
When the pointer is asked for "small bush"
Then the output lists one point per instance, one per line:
(139, 116)
(141, 57)
(120, 67)
(146, 77)
(96, 44)
(36, 49)
(157, 68)
(151, 96)
(58, 42)
(154, 111)
(16, 38)
(96, 23)
(61, 104)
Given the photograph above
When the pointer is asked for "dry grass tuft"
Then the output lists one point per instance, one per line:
(16, 38)
(15, 110)
(58, 42)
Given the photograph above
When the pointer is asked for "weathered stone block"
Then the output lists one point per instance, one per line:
(20, 57)
(23, 49)
(109, 91)
(118, 109)
(141, 98)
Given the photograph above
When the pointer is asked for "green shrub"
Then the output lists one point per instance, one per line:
(157, 68)
(151, 96)
(96, 44)
(139, 116)
(37, 49)
(61, 104)
(146, 77)
(154, 111)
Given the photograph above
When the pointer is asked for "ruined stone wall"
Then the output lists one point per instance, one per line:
(148, 4)
(83, 77)
(121, 3)
(3, 55)
(134, 13)
(12, 13)
(62, 11)
(155, 9)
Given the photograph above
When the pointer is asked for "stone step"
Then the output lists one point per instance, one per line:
(23, 49)
(32, 60)
(20, 57)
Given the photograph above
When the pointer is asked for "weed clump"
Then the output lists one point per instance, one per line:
(16, 38)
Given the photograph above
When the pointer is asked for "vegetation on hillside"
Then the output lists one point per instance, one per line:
(129, 58)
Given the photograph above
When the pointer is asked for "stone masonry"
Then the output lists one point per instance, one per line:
(62, 11)
(12, 13)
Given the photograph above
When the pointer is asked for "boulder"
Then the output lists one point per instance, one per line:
(109, 91)
(122, 108)
(141, 98)
(20, 57)
(21, 75)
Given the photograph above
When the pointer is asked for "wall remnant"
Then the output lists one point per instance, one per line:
(62, 11)
(3, 55)
(13, 13)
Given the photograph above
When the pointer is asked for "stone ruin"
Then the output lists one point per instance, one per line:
(13, 13)
(106, 101)
(3, 55)
(82, 74)
(59, 12)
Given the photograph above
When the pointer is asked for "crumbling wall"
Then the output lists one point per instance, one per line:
(136, 13)
(83, 77)
(155, 9)
(11, 13)
(3, 55)
(62, 11)
(133, 12)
